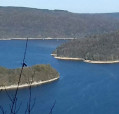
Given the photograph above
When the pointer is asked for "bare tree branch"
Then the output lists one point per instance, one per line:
(2, 110)
(52, 107)
(14, 103)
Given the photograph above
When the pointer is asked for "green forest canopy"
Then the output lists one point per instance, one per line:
(20, 22)
(35, 73)
(98, 48)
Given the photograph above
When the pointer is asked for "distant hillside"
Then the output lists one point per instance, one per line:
(28, 22)
(96, 48)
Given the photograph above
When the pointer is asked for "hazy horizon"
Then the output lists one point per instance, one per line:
(75, 6)
(59, 9)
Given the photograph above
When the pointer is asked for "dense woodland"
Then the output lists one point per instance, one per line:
(19, 22)
(30, 74)
(99, 48)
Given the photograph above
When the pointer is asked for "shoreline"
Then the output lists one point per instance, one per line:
(81, 59)
(37, 38)
(27, 85)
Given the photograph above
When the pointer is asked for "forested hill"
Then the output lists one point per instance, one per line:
(37, 73)
(28, 22)
(96, 48)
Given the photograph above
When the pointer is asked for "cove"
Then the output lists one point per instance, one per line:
(82, 88)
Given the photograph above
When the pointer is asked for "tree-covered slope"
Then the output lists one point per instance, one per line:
(35, 73)
(28, 22)
(96, 48)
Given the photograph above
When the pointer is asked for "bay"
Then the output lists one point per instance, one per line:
(82, 88)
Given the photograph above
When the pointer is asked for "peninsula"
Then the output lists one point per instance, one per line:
(94, 49)
(35, 75)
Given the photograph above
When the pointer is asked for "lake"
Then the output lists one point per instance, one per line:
(83, 88)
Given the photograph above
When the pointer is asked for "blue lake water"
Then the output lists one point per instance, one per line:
(83, 88)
